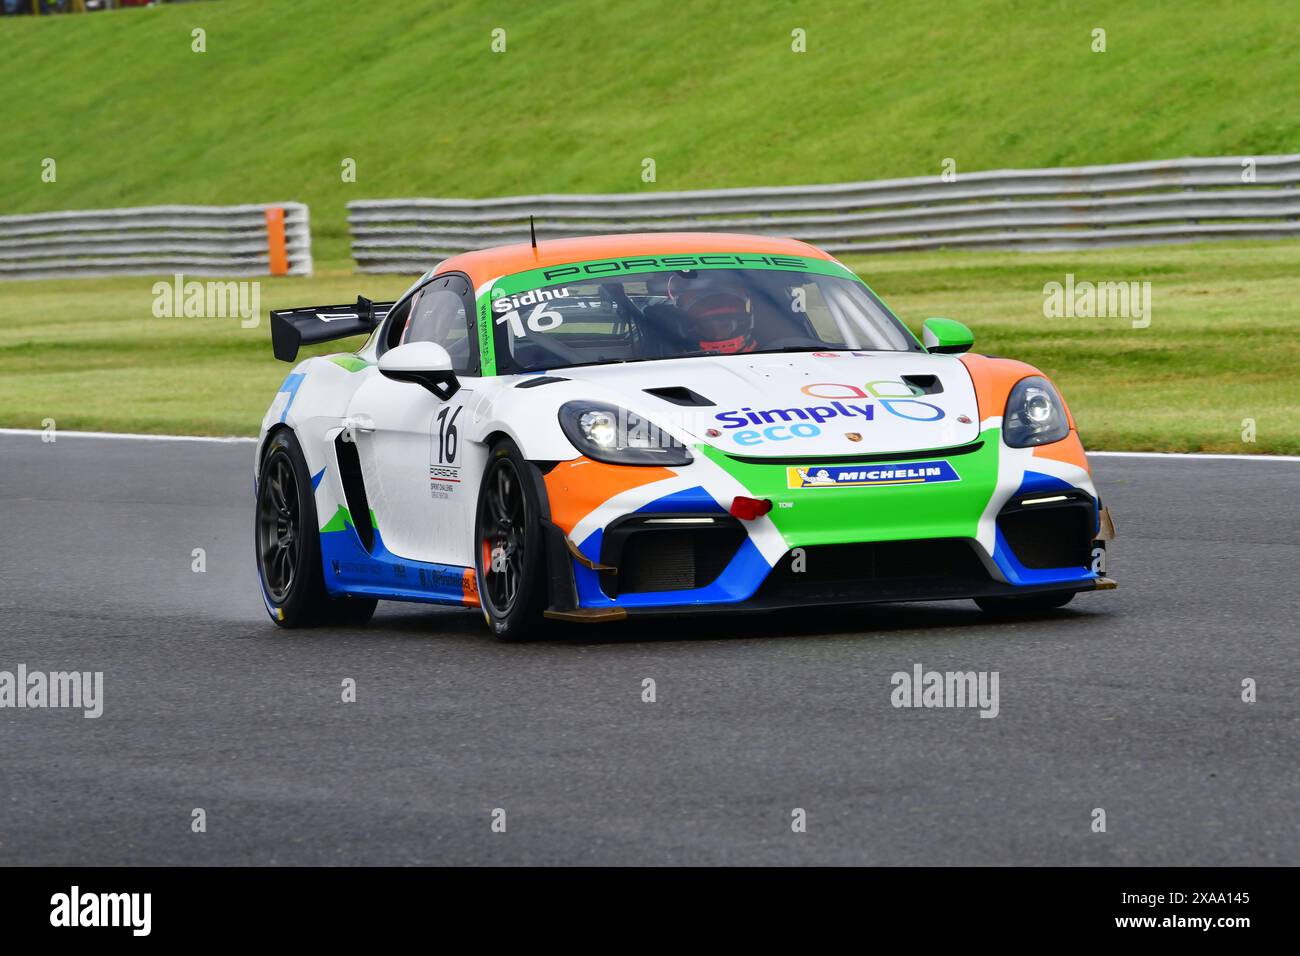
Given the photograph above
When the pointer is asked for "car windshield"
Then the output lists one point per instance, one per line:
(641, 309)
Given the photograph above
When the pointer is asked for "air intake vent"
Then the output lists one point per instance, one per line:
(670, 552)
(926, 570)
(869, 562)
(1048, 533)
(679, 395)
(540, 380)
(354, 489)
(928, 384)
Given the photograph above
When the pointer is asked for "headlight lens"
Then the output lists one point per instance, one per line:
(599, 427)
(1035, 414)
(616, 436)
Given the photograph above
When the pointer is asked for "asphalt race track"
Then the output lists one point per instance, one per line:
(1129, 701)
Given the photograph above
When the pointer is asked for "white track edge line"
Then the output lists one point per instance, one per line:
(1184, 454)
(236, 439)
(231, 440)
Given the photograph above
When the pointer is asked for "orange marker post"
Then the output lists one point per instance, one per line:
(275, 247)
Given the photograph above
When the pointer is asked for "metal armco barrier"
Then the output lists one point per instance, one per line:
(1178, 200)
(270, 239)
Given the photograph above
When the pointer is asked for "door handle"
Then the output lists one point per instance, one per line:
(354, 426)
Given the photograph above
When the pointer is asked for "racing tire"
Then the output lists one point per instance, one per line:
(1029, 604)
(509, 558)
(288, 544)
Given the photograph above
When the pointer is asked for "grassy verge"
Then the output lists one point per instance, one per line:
(1220, 347)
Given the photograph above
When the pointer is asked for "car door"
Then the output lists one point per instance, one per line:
(409, 442)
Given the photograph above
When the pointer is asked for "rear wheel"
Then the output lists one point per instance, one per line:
(288, 544)
(1029, 604)
(508, 546)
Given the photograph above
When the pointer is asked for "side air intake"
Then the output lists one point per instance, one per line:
(354, 490)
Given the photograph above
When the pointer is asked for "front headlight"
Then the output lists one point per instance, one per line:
(607, 433)
(1035, 414)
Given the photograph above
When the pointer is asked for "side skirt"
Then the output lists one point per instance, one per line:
(352, 571)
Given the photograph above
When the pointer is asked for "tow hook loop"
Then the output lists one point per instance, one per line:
(748, 509)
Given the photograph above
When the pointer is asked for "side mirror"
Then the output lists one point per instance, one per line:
(424, 363)
(946, 336)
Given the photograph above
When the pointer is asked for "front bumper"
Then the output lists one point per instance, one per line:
(663, 542)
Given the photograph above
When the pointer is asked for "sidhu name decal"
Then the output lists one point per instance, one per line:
(856, 476)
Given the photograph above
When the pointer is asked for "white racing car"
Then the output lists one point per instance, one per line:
(592, 428)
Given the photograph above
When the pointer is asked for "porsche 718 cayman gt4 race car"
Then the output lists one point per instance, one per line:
(588, 429)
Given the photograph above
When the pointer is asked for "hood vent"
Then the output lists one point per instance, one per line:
(679, 395)
(928, 384)
(543, 380)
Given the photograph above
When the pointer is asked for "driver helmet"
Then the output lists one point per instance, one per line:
(717, 318)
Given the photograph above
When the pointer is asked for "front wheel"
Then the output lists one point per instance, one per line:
(288, 544)
(508, 554)
(1029, 604)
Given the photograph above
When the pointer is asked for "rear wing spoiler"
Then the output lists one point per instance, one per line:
(293, 328)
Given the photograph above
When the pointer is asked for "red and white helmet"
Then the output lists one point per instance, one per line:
(718, 318)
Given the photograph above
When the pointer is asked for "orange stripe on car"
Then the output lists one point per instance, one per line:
(577, 488)
(484, 264)
(994, 378)
(1068, 450)
(469, 588)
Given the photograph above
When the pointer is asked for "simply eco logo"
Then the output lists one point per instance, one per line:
(857, 403)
